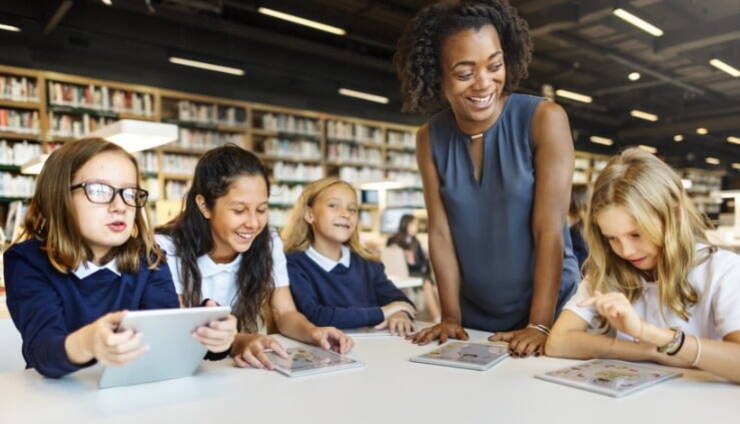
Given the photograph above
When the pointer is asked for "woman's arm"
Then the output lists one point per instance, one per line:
(441, 249)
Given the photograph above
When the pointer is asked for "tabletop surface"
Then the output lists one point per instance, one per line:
(388, 389)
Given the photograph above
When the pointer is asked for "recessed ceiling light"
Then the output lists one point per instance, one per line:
(735, 140)
(644, 115)
(702, 131)
(722, 66)
(638, 22)
(574, 96)
(647, 148)
(108, 2)
(12, 28)
(634, 76)
(364, 96)
(301, 21)
(712, 161)
(601, 140)
(678, 138)
(736, 165)
(206, 65)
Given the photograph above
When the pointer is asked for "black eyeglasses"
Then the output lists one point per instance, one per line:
(102, 193)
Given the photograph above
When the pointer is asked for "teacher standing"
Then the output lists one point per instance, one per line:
(497, 168)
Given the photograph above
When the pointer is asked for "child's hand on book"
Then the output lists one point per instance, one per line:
(330, 338)
(249, 350)
(399, 324)
(522, 343)
(442, 331)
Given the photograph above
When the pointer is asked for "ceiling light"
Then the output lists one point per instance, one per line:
(108, 2)
(712, 161)
(634, 76)
(33, 166)
(678, 138)
(301, 21)
(647, 148)
(736, 165)
(364, 96)
(601, 140)
(5, 27)
(644, 115)
(574, 96)
(638, 22)
(207, 66)
(735, 140)
(702, 131)
(722, 66)
(134, 135)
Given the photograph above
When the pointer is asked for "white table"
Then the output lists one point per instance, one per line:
(390, 389)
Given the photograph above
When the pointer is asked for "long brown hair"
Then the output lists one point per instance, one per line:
(51, 217)
(653, 194)
(298, 234)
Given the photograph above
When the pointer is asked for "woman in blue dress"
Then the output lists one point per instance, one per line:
(497, 169)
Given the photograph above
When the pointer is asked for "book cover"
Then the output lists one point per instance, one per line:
(308, 360)
(468, 355)
(609, 377)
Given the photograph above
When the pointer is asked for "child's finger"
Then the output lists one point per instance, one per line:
(277, 348)
(265, 360)
(382, 326)
(239, 362)
(126, 346)
(250, 359)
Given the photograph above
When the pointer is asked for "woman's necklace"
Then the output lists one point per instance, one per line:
(476, 136)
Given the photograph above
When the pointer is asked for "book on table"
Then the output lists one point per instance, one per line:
(609, 377)
(475, 356)
(308, 360)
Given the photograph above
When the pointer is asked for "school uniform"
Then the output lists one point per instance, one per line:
(47, 305)
(716, 313)
(218, 281)
(347, 293)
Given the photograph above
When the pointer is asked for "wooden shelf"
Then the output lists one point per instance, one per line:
(11, 168)
(20, 136)
(19, 104)
(355, 142)
(183, 150)
(284, 134)
(173, 176)
(207, 126)
(402, 168)
(353, 164)
(8, 199)
(296, 159)
(368, 207)
(288, 182)
(409, 149)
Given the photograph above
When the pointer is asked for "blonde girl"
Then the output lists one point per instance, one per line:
(334, 279)
(652, 277)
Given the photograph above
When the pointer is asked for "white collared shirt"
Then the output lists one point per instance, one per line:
(328, 264)
(89, 268)
(218, 281)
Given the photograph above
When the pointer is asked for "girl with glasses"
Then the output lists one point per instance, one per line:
(86, 255)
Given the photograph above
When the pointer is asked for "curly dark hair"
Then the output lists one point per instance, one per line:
(417, 57)
(191, 234)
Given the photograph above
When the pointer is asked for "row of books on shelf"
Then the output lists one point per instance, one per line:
(405, 198)
(298, 149)
(401, 139)
(297, 172)
(210, 113)
(352, 153)
(151, 185)
(13, 185)
(407, 160)
(409, 178)
(100, 97)
(19, 121)
(360, 174)
(178, 164)
(148, 161)
(18, 153)
(67, 125)
(353, 131)
(176, 190)
(285, 123)
(285, 194)
(19, 89)
(206, 139)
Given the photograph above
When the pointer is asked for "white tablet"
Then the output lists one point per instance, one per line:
(173, 352)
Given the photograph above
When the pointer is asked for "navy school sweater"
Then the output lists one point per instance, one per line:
(343, 297)
(47, 305)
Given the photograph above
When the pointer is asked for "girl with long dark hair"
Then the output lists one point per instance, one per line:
(221, 250)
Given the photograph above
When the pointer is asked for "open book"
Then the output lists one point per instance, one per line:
(609, 377)
(474, 356)
(307, 360)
